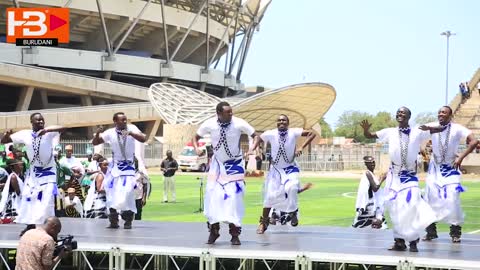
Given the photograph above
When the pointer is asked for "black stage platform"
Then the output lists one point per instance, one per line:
(304, 245)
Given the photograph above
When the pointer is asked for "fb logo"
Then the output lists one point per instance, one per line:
(28, 24)
(38, 25)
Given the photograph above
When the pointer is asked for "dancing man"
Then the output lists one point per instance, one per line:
(444, 178)
(121, 183)
(409, 213)
(369, 204)
(225, 186)
(282, 183)
(40, 185)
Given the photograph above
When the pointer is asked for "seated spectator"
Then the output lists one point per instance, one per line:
(73, 205)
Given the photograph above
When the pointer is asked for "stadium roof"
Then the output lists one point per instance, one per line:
(304, 104)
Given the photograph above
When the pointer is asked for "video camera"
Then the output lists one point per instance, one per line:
(63, 243)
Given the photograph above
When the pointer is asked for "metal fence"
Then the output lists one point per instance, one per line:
(320, 158)
(153, 151)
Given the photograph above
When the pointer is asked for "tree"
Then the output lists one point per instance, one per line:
(383, 120)
(348, 125)
(425, 117)
(326, 129)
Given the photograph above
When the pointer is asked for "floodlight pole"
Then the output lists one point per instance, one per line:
(447, 34)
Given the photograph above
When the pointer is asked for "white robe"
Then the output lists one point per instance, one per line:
(225, 185)
(369, 204)
(40, 185)
(120, 182)
(443, 185)
(409, 213)
(283, 179)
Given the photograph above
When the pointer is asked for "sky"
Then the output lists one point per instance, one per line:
(379, 55)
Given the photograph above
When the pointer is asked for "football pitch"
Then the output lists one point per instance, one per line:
(331, 202)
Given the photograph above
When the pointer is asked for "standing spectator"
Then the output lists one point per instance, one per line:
(141, 192)
(169, 166)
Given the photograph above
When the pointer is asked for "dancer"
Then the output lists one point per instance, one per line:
(12, 191)
(120, 183)
(282, 183)
(444, 178)
(409, 213)
(41, 180)
(96, 203)
(225, 186)
(369, 204)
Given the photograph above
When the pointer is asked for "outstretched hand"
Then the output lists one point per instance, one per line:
(424, 127)
(99, 129)
(457, 163)
(298, 153)
(365, 125)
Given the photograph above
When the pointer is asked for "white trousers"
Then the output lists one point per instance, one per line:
(169, 186)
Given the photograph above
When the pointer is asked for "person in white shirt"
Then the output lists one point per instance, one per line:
(41, 181)
(409, 213)
(444, 187)
(71, 161)
(120, 182)
(282, 183)
(73, 205)
(369, 203)
(225, 182)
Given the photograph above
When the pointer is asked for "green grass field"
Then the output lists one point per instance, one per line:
(323, 205)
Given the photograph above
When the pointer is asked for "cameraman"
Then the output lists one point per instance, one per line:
(35, 250)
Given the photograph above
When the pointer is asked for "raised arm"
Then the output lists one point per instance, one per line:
(139, 136)
(472, 144)
(366, 130)
(51, 129)
(96, 138)
(310, 136)
(195, 144)
(432, 130)
(256, 142)
(6, 137)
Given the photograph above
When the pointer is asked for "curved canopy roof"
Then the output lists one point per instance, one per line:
(304, 104)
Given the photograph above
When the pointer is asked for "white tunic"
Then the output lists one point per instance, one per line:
(409, 213)
(282, 181)
(225, 187)
(41, 181)
(234, 131)
(119, 182)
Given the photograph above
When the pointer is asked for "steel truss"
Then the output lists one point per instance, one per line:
(179, 259)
